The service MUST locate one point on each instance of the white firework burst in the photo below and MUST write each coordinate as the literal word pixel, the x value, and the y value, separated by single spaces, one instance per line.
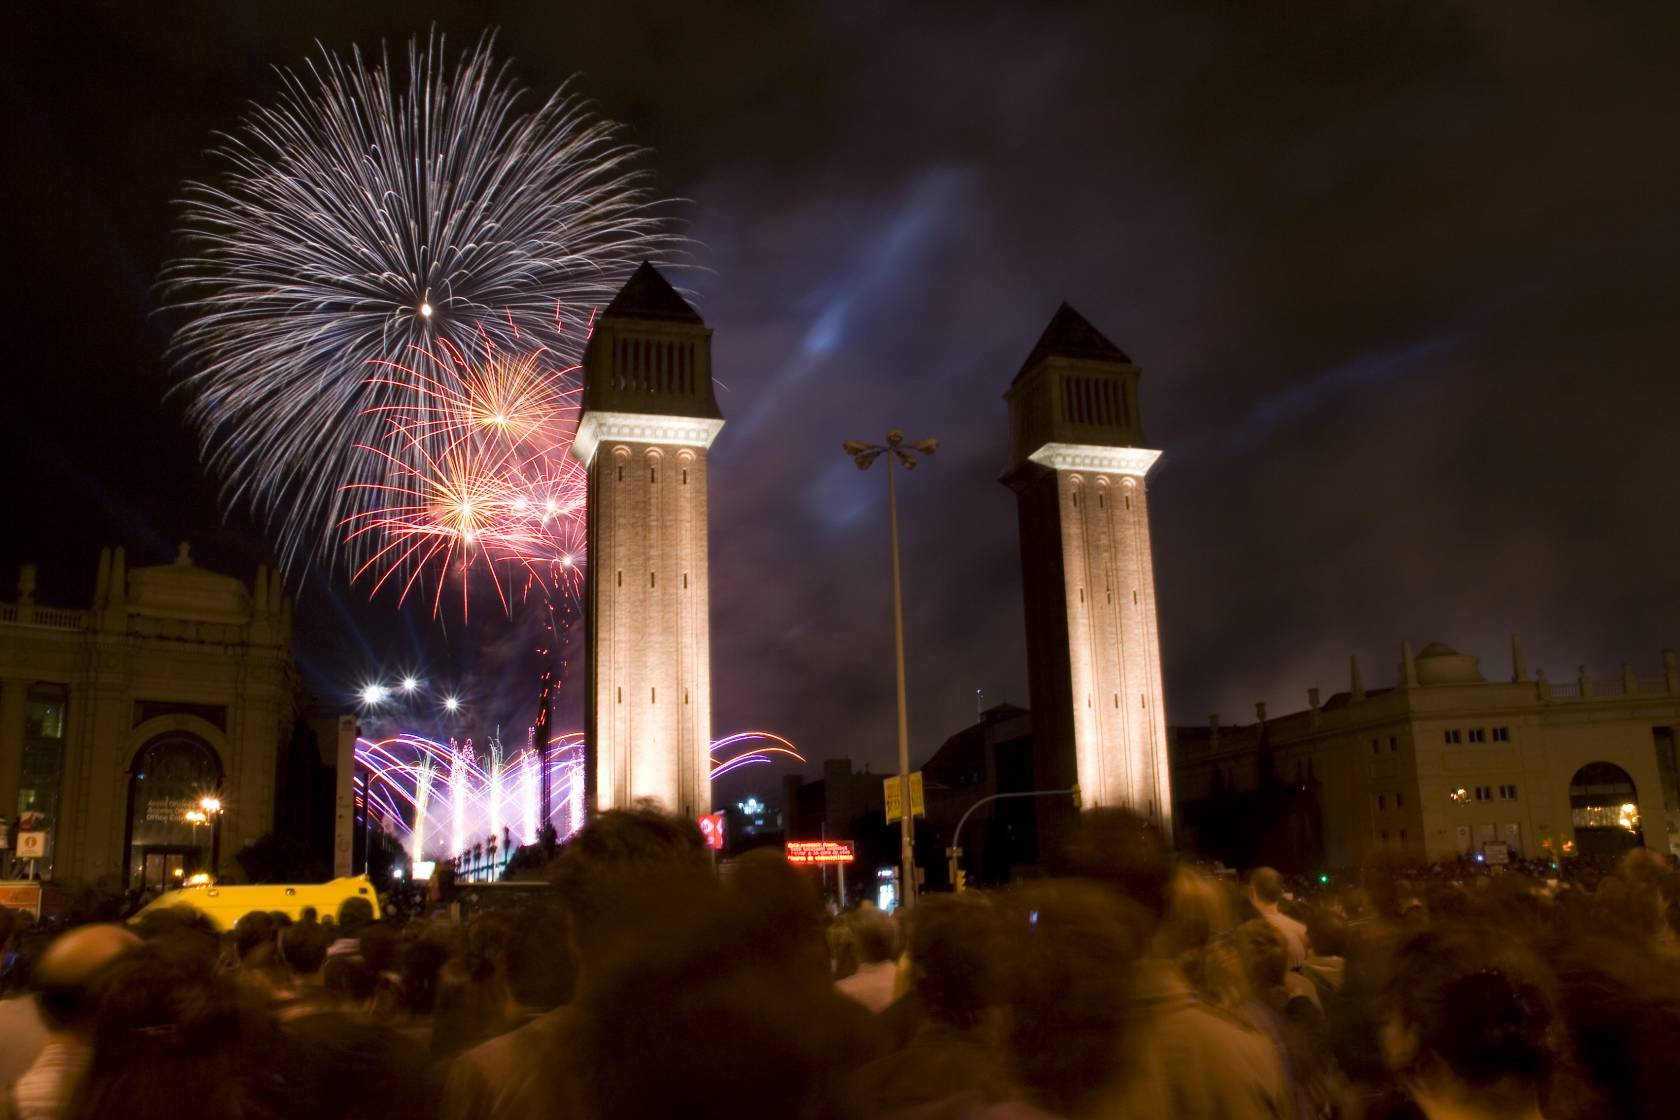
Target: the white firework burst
pixel 369 214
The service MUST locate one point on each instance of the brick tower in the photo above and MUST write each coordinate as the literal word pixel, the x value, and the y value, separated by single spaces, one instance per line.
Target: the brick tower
pixel 648 418
pixel 1078 466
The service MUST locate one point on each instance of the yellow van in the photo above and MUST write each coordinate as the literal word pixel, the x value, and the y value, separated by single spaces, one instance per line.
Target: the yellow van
pixel 225 905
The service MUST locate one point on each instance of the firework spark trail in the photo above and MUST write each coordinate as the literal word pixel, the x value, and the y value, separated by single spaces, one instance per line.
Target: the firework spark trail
pixel 409 775
pixel 371 210
pixel 494 487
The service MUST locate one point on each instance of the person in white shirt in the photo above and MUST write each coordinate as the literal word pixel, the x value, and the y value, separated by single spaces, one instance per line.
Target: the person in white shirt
pixel 876 940
pixel 1265 891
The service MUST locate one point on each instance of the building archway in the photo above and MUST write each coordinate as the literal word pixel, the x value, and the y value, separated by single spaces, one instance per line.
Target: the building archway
pixel 169 834
pixel 1604 808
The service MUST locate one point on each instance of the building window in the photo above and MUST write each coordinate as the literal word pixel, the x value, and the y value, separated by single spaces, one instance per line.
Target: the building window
pixel 1376 747
pixel 1507 793
pixel 1452 735
pixel 41 773
pixel 1502 734
pixel 1382 802
pixel 1385 836
pixel 621 474
pixel 1484 793
pixel 1393 743
pixel 1402 836
pixel 1478 734
pixel 685 476
pixel 653 474
pixel 1399 801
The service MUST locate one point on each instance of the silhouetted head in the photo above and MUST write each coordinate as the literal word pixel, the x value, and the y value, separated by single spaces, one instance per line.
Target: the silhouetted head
pixel 169 1030
pixel 1125 853
pixel 1267 886
pixel 1068 976
pixel 955 958
pixel 354 913
pixel 1469 1011
pixel 303 948
pixel 67 968
pixel 874 937
pixel 626 868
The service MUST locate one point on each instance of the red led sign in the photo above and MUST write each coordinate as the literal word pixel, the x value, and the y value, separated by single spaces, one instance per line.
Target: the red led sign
pixel 820 851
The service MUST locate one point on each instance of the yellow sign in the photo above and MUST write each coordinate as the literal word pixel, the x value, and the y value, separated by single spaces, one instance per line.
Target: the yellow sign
pixel 895 797
pixel 32 845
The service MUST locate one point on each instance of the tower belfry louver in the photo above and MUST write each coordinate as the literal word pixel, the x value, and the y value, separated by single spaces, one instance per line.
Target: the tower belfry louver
pixel 1078 465
pixel 649 416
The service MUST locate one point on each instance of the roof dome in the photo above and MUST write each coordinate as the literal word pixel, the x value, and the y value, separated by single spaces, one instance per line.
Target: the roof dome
pixel 1439 663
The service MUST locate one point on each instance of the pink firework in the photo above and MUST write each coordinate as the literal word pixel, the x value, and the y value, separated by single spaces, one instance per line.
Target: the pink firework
pixel 476 476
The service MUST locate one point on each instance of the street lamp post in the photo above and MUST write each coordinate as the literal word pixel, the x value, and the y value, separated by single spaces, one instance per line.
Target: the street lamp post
pixel 211 808
pixel 864 455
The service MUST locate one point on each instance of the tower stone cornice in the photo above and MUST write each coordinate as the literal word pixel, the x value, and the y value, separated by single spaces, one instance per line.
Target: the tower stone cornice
pixel 594 428
pixel 1135 462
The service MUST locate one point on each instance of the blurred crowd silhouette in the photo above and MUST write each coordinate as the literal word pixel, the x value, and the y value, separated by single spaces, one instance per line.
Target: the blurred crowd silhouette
pixel 1128 983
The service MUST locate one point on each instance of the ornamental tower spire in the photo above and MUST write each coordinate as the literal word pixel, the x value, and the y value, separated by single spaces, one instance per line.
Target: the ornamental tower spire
pixel 1078 465
pixel 649 418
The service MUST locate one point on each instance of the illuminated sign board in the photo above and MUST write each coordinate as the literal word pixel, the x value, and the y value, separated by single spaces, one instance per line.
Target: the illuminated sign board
pixel 820 851
pixel 712 830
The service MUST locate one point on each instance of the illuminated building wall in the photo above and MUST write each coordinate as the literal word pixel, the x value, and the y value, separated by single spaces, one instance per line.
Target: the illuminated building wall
pixel 649 416
pixel 116 720
pixel 1078 468
pixel 1443 762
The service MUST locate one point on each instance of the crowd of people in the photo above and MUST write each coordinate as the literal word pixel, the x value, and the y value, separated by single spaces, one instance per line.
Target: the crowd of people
pixel 1129 984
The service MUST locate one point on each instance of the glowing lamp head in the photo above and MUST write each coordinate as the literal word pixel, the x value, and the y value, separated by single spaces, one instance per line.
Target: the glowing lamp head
pixel 451 704
pixel 409 684
pixel 374 694
pixel 211 804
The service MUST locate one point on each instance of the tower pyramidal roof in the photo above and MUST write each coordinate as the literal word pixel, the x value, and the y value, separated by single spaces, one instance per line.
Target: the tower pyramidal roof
pixel 648 295
pixel 1071 335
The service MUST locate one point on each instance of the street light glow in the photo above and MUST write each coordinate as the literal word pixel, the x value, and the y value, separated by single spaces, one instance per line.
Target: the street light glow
pixel 211 804
pixel 373 694
pixel 409 684
pixel 451 704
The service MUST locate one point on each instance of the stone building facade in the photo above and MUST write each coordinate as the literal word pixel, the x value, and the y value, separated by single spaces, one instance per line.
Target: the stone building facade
pixel 118 720
pixel 649 417
pixel 1442 764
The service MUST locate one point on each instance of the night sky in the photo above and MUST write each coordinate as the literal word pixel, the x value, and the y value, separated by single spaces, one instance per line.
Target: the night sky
pixel 1401 279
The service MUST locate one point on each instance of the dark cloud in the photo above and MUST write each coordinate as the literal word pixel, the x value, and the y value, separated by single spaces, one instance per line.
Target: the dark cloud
pixel 1400 278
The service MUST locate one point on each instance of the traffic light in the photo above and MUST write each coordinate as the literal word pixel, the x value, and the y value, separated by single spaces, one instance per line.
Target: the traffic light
pixel 962 880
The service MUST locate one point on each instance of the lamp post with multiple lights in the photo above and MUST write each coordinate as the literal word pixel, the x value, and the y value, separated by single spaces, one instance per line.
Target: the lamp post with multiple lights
pixel 906 454
pixel 209 807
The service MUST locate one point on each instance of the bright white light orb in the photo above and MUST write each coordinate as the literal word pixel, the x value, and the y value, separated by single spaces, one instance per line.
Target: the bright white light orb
pixel 451 704
pixel 425 311
pixel 409 684
pixel 566 560
pixel 374 694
